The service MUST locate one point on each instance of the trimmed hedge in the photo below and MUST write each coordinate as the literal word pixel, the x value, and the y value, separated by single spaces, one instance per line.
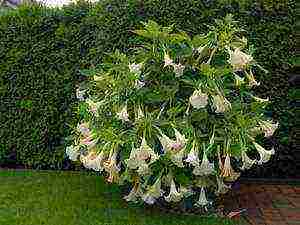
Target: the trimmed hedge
pixel 41 52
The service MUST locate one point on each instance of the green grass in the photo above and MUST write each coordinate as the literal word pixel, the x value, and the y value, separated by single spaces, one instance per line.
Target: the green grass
pixel 76 198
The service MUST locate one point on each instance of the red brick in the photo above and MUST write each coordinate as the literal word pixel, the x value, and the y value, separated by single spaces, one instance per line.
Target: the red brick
pixel 287 190
pixel 272 189
pixel 291 214
pixel 297 189
pixel 275 222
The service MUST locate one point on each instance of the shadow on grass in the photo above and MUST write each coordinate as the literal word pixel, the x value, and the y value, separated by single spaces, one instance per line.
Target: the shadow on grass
pixel 76 198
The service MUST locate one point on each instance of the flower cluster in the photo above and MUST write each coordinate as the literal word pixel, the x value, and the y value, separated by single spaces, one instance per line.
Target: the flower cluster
pixel 171 130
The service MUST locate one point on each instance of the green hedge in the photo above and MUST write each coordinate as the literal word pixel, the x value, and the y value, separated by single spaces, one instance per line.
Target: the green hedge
pixel 42 50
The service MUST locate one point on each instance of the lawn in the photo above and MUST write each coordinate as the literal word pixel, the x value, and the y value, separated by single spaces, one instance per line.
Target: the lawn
pixel 75 198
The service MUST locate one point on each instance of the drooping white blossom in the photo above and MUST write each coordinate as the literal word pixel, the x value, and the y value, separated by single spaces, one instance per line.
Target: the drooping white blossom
pixel 177 158
pixel 145 152
pixel 238 80
pixel 206 168
pixel 221 187
pixel 198 99
pixel 135 194
pixel 268 127
pixel 238 59
pixel 168 61
pixel 136 68
pixel 139 84
pixel 265 155
pixel 192 157
pixel 247 162
pixel 140 113
pixel 123 114
pixel 111 167
pixel 178 69
pixel 93 106
pixel 180 139
pixel 170 145
pixel 261 99
pixel 93 160
pixel 84 129
pixel 132 162
pixel 202 201
pixel 174 195
pixel 80 93
pixel 175 148
pixel 220 104
pixel 87 160
pixel 141 157
pixel 72 152
pixel 227 170
pixel 251 79
pixel 143 169
pixel 89 141
pixel 153 193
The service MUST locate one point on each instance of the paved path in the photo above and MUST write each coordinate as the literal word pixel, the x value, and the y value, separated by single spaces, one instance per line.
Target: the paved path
pixel 266 204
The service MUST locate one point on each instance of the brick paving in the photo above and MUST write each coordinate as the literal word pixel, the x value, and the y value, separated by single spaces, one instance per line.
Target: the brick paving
pixel 266 204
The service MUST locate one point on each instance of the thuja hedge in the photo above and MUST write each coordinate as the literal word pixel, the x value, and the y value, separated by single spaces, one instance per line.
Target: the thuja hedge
pixel 42 51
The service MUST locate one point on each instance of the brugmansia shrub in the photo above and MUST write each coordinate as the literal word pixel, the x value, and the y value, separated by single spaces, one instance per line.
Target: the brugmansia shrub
pixel 176 118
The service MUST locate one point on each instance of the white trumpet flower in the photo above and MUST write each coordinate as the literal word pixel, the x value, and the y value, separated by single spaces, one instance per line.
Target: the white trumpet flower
pixel 238 59
pixel 206 168
pixel 220 104
pixel 202 199
pixel 131 162
pixel 84 129
pixel 123 114
pixel 93 106
pixel 140 113
pixel 175 148
pixel 88 159
pixel 221 188
pixel 93 161
pixel 247 162
pixel 143 169
pixel 174 195
pixel 238 80
pixel 198 99
pixel 178 69
pixel 177 158
pixel 138 157
pixel 251 79
pixel 265 155
pixel 80 94
pixel 168 61
pixel 72 152
pixel 268 127
pixel 261 99
pixel 180 139
pixel 89 141
pixel 145 152
pixel 227 170
pixel 170 145
pixel 153 193
pixel 193 157
pixel 136 68
pixel 139 84
pixel 112 168
pixel 134 194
